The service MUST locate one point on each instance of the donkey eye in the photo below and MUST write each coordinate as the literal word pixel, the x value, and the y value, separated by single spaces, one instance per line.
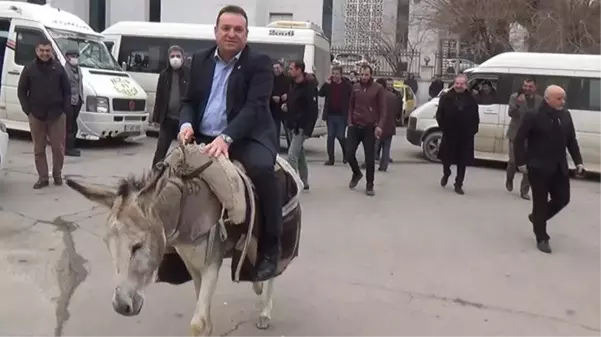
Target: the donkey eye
pixel 135 248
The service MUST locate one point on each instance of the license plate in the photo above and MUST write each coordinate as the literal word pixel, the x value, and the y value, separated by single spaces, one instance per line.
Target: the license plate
pixel 133 127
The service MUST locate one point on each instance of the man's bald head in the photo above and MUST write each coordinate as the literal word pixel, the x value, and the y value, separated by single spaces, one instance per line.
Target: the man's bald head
pixel 555 96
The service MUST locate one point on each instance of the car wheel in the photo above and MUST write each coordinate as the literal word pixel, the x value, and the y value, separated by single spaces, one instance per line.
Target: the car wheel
pixel 431 146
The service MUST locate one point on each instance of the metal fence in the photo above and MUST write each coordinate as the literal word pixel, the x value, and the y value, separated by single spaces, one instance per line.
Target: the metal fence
pixel 390 64
pixel 447 66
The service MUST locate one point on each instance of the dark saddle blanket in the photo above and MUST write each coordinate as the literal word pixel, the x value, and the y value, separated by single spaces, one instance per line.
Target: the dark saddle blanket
pixel 245 237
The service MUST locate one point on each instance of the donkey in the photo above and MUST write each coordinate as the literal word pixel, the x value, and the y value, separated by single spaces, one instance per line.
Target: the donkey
pixel 142 210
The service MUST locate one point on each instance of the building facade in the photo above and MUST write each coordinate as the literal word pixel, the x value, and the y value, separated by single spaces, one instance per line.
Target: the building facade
pixel 100 14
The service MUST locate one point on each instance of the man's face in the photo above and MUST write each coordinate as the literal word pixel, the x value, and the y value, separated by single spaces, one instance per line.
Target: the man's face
pixel 176 55
pixel 365 75
pixel 336 75
pixel 557 100
pixel 293 71
pixel 389 85
pixel 277 69
pixel 352 76
pixel 231 32
pixel 486 88
pixel 460 84
pixel 529 88
pixel 44 52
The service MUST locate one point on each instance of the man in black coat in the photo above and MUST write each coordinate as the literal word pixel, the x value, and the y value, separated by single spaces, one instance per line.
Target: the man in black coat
pixel 227 107
pixel 548 133
pixel 281 85
pixel 458 118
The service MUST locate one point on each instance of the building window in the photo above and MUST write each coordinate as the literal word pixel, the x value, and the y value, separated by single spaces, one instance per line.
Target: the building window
pixel 39 2
pixel 280 17
pixel 154 11
pixel 98 15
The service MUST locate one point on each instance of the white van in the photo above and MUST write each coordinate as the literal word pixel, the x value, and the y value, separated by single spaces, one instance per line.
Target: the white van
pixel 579 75
pixel 114 104
pixel 141 47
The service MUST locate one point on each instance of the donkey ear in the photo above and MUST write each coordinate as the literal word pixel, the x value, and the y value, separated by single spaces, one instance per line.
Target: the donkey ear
pixel 101 195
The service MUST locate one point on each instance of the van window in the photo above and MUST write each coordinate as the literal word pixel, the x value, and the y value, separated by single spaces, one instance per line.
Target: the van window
pixel 4 29
pixel 485 90
pixel 149 54
pixel 27 40
pixel 109 45
pixel 594 99
pixel 581 93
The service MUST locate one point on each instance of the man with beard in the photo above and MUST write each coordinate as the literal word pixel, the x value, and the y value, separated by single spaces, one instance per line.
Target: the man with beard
pixel 337 92
pixel 458 118
pixel 367 115
pixel 521 103
pixel 281 84
pixel 548 133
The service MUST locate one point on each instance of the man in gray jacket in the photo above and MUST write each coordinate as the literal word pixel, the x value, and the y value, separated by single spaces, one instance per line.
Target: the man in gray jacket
pixel 521 103
pixel 75 79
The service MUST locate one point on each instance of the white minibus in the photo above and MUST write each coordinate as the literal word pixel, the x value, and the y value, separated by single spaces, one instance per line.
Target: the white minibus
pixel 141 48
pixel 114 104
pixel 579 75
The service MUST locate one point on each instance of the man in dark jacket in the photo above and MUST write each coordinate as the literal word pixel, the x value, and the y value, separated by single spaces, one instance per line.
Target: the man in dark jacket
pixel 458 118
pixel 74 73
pixel 548 133
pixel 281 85
pixel 171 86
pixel 227 107
pixel 384 143
pixel 367 115
pixel 435 87
pixel 411 82
pixel 337 92
pixel 45 96
pixel 302 111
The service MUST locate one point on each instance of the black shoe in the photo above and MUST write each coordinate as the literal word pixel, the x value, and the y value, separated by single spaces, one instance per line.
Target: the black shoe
pixel 266 268
pixel 390 160
pixel 329 162
pixel 459 190
pixel 530 218
pixel 72 153
pixel 306 187
pixel 381 169
pixel 41 183
pixel 444 180
pixel 509 185
pixel 369 191
pixel 344 161
pixel 525 196
pixel 355 180
pixel 58 181
pixel 544 246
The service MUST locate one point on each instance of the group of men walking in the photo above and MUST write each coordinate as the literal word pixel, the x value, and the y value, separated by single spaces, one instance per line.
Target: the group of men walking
pixel 51 96
pixel 540 131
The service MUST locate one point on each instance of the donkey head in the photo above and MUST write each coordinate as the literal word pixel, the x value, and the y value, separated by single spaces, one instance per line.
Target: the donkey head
pixel 135 236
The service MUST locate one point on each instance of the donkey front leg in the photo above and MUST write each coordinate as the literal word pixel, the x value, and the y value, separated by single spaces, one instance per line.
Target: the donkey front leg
pixel 266 303
pixel 201 324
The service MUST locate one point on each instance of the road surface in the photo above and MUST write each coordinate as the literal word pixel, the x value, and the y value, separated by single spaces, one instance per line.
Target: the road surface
pixel 416 259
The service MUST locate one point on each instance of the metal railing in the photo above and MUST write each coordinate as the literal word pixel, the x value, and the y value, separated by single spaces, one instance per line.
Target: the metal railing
pixel 390 64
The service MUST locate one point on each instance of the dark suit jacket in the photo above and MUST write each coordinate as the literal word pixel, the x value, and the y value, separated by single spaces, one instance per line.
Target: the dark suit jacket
pixel 546 148
pixel 248 93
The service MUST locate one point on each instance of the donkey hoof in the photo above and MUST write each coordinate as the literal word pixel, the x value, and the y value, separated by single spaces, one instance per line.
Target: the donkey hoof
pixel 200 329
pixel 263 322
pixel 258 288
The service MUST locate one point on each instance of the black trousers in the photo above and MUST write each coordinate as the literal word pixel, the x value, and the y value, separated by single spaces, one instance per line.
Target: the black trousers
pixel 167 133
pixel 72 126
pixel 259 163
pixel 355 136
pixel 550 194
pixel 459 178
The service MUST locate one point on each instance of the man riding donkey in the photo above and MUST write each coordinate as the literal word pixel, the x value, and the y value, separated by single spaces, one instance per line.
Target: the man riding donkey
pixel 229 196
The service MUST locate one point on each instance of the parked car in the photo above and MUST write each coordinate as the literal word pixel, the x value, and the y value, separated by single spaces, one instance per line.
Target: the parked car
pixel 3 145
pixel 409 102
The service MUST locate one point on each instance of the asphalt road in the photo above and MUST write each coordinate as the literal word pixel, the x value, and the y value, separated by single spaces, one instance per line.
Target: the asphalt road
pixel 416 259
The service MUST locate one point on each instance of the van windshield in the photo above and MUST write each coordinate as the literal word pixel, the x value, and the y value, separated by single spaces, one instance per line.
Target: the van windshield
pixel 93 53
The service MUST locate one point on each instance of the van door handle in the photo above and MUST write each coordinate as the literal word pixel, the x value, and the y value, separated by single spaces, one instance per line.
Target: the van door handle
pixel 14 72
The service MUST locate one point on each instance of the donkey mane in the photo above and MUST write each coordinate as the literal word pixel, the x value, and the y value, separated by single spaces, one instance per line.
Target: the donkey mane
pixel 134 183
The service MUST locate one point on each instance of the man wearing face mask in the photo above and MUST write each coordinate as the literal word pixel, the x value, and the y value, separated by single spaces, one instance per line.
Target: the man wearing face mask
pixel 75 79
pixel 171 86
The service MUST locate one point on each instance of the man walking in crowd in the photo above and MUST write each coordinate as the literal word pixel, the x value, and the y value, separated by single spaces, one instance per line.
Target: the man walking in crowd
pixel 384 143
pixel 75 79
pixel 523 102
pixel 227 107
pixel 435 87
pixel 171 86
pixel 458 118
pixel 302 113
pixel 540 151
pixel 45 96
pixel 367 115
pixel 337 92
pixel 411 82
pixel 281 85
pixel 353 77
